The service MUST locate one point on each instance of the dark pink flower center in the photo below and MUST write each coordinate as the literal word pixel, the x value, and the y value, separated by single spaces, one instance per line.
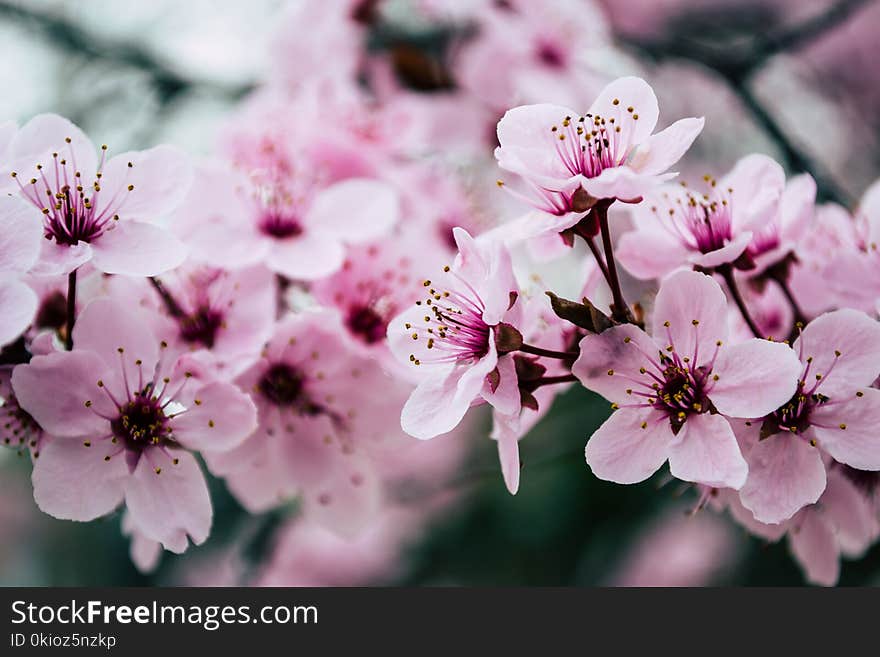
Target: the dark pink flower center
pixel 764 240
pixel 141 421
pixel 285 386
pixel 201 326
pixel 75 211
pixel 589 144
pixel 281 384
pixel 701 222
pixel 794 415
pixel 550 54
pixel 681 392
pixel 453 325
pixel 365 322
pixel 671 382
pixel 280 225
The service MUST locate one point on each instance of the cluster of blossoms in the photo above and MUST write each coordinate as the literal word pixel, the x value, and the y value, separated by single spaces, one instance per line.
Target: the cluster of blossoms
pixel 293 314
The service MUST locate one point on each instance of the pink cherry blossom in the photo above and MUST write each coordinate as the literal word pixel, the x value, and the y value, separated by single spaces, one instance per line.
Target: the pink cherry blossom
pixel 829 271
pixel 450 337
pixel 833 410
pixel 512 421
pixel 373 285
pixel 282 219
pixel 527 52
pixel 19 249
pixel 780 236
pixel 225 315
pixel 841 522
pixel 98 210
pixel 679 226
pixel 675 389
pixel 852 271
pixel 319 421
pixel 121 422
pixel 608 152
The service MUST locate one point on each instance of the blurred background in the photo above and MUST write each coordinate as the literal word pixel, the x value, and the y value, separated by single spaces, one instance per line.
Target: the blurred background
pixel 796 79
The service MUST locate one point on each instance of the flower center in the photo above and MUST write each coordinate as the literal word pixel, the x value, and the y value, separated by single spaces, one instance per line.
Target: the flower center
pixel 282 385
pixel 365 322
pixel 75 211
pixel 452 326
pixel 280 225
pixel 589 144
pixel 202 326
pixel 550 54
pixel 681 392
pixel 702 222
pixel 142 421
pixel 794 415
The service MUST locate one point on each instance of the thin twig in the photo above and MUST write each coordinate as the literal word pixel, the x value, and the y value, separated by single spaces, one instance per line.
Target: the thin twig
pixel 71 310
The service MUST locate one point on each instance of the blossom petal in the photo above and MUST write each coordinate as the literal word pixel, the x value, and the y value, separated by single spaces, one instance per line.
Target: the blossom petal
pixel 306 257
pixel 726 254
pixel 851 513
pixel 355 210
pixel 647 256
pixel 706 452
pixel 847 429
pixel 160 178
pixel 623 182
pixel 222 419
pixel 630 446
pixel 55 388
pixel 611 362
pixel 486 266
pixel 660 151
pixel 18 305
pixel 528 146
pixel 798 206
pixel 505 398
pixel 74 482
pixel 21 225
pixel 348 501
pixel 106 326
pixel 44 134
pixel 506 430
pixel 168 499
pixel 785 475
pixel 755 377
pixel 850 332
pixel 615 101
pixel 136 248
pixel 60 259
pixel 695 308
pixel 440 401
pixel 814 545
pixel 757 182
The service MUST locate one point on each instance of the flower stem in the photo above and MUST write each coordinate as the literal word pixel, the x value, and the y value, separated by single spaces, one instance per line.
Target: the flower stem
pixel 71 310
pixel 799 316
pixel 598 257
pixel 549 380
pixel 726 272
pixel 549 353
pixel 620 311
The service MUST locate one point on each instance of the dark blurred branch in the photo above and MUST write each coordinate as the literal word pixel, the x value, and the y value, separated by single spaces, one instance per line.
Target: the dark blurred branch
pixel 66 35
pixel 786 40
pixel 736 63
